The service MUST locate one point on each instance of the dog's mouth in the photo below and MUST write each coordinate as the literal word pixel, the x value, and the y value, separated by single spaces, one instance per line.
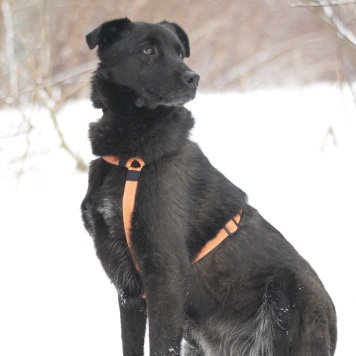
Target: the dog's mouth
pixel 172 99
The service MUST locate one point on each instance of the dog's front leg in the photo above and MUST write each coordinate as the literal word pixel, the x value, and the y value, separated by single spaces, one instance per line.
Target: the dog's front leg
pixel 165 314
pixel 133 325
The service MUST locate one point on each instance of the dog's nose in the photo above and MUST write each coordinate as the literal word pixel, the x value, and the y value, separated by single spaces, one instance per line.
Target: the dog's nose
pixel 191 78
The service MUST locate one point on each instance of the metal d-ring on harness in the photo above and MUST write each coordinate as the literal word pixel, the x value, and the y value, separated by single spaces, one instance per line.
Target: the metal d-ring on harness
pixel 128 206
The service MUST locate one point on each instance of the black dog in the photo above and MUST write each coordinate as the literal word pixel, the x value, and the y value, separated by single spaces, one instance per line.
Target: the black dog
pixel 251 295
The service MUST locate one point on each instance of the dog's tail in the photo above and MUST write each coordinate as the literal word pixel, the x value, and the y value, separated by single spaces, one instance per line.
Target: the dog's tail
pixel 268 332
pixel 289 321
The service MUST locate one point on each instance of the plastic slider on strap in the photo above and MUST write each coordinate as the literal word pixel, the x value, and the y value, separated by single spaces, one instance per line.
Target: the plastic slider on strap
pixel 133 175
pixel 230 225
pixel 228 230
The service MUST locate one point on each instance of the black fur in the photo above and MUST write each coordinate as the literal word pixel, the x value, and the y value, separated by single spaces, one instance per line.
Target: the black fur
pixel 254 294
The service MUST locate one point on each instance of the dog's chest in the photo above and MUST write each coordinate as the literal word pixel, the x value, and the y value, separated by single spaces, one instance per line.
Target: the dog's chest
pixel 159 207
pixel 102 211
pixel 102 215
pixel 111 211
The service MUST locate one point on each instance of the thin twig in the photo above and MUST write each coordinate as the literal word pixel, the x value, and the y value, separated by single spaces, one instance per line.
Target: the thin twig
pixel 24 159
pixel 82 166
pixel 321 4
pixel 334 27
pixel 53 114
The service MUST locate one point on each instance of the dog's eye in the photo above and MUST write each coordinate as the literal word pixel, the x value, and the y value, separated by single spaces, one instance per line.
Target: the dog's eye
pixel 181 54
pixel 149 51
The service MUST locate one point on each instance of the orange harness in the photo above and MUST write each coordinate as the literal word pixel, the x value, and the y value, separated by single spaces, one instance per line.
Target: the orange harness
pixel 128 205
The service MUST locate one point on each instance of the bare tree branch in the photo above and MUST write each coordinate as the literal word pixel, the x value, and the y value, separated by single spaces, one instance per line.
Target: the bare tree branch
pixel 331 19
pixel 321 4
pixel 48 103
pixel 24 159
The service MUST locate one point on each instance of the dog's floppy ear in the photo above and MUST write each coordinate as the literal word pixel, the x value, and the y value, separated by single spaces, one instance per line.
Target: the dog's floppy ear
pixel 183 37
pixel 106 33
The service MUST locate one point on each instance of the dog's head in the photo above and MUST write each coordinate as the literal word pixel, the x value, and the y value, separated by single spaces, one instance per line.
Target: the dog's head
pixel 146 58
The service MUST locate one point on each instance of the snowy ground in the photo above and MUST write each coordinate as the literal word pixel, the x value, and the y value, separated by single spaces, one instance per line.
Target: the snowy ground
pixel 56 300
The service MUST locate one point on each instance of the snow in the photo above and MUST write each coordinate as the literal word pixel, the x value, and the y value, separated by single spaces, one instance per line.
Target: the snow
pixel 56 299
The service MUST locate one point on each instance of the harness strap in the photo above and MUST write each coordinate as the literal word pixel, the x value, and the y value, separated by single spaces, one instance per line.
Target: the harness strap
pixel 129 198
pixel 128 206
pixel 229 229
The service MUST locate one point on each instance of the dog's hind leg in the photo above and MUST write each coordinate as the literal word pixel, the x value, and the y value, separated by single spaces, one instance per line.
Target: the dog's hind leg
pixel 133 325
pixel 318 335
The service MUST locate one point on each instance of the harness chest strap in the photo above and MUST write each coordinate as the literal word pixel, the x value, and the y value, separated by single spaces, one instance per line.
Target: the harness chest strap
pixel 129 197
pixel 128 206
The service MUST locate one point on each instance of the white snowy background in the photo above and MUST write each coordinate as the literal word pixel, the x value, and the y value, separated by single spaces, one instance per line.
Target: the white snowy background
pixel 55 298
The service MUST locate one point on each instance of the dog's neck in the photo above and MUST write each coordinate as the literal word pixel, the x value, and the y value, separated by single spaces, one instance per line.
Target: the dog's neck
pixel 128 130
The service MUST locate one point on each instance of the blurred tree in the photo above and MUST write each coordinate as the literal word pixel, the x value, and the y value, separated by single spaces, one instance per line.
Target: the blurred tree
pixel 235 44
pixel 341 17
pixel 38 66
